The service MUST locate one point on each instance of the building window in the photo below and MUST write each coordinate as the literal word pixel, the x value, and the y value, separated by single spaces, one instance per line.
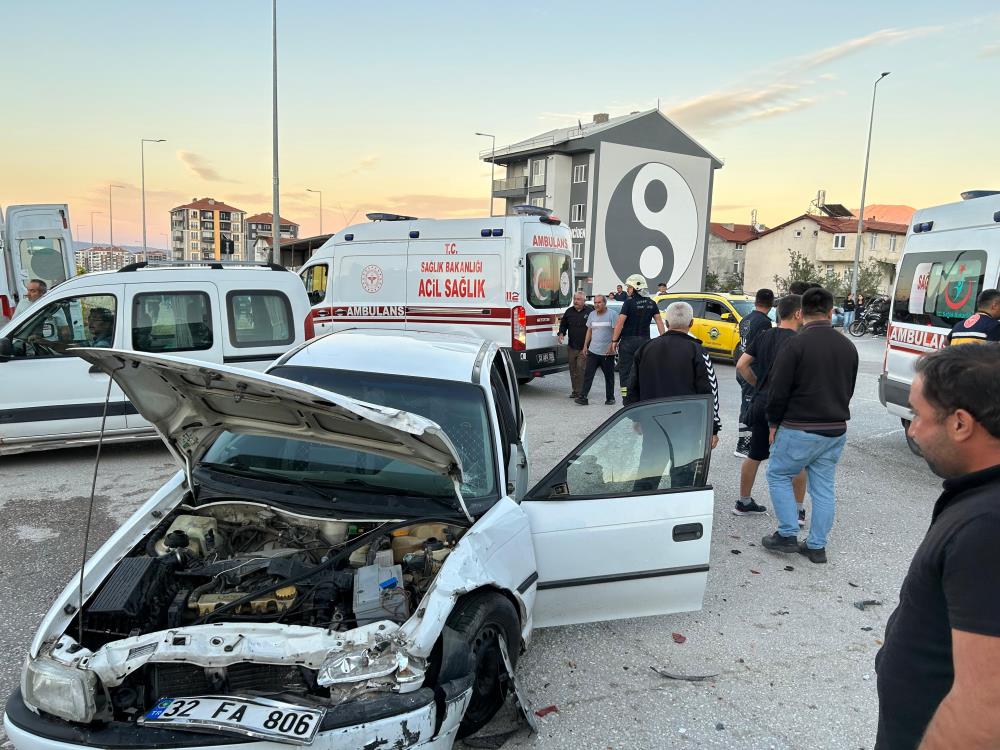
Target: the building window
pixel 577 251
pixel 873 241
pixel 829 268
pixel 580 173
pixel 741 246
pixel 537 172
pixel 839 241
pixel 798 232
pixel 736 266
pixel 892 243
pixel 577 211
pixel 538 202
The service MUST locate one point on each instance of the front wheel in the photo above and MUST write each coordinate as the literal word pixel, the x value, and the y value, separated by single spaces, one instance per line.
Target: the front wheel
pixel 858 328
pixel 481 618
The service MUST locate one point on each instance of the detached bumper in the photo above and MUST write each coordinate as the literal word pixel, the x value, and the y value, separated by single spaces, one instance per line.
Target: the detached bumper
pixel 391 721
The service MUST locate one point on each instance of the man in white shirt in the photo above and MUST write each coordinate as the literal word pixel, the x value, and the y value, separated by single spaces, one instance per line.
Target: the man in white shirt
pixel 35 289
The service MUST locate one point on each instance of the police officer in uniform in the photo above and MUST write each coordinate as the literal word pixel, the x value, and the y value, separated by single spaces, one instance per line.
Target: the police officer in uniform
pixel 632 328
pixel 983 326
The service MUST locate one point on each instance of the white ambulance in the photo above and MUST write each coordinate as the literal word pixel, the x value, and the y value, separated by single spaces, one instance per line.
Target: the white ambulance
pixel 952 253
pixel 504 278
pixel 35 243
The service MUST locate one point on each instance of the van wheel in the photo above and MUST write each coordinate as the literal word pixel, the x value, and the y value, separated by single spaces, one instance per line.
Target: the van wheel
pixel 909 441
pixel 525 381
pixel 480 619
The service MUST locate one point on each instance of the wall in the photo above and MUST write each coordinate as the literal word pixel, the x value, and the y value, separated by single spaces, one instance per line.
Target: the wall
pixel 767 255
pixel 721 254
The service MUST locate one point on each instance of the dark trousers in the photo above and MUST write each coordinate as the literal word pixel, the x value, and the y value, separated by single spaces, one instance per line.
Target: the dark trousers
pixel 607 364
pixel 577 367
pixel 627 347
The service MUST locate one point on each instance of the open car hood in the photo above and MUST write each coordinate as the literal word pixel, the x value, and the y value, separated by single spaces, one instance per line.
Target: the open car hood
pixel 191 404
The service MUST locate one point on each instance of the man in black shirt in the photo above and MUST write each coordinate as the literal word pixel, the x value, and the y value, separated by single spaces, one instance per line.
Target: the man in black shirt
pixel 632 328
pixel 755 366
pixel 574 322
pixel 939 670
pixel 810 387
pixel 751 327
pixel 619 295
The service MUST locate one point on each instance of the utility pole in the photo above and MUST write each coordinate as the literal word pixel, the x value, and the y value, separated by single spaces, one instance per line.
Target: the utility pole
pixel 310 190
pixel 92 227
pixel 493 163
pixel 864 184
pixel 142 169
pixel 275 208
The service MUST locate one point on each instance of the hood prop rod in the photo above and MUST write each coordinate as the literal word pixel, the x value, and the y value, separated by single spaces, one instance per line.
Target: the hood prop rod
pixel 90 508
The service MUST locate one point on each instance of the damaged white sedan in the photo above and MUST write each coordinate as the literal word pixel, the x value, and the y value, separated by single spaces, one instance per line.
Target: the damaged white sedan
pixel 350 557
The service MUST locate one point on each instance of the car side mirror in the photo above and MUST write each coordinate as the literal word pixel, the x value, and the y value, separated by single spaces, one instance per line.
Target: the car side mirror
pixel 726 316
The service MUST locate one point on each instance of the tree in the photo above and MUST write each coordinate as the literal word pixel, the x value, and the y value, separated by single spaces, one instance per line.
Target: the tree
pixel 800 268
pixel 711 281
pixel 731 282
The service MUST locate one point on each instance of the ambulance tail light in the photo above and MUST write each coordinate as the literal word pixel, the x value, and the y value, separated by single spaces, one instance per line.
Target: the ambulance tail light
pixel 519 330
pixel 310 327
pixel 6 309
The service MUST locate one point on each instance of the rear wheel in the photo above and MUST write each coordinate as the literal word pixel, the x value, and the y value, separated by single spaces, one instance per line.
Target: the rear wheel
pixel 858 328
pixel 525 381
pixel 481 618
pixel 909 441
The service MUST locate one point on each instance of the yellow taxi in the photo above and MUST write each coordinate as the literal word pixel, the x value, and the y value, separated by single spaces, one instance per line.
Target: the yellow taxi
pixel 716 317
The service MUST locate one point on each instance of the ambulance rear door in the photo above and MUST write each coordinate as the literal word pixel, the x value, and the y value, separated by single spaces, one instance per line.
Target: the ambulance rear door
pixel 547 275
pixel 455 280
pixel 37 245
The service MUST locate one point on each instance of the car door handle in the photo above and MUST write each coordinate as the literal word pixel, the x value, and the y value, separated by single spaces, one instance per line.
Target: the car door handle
pixel 688 532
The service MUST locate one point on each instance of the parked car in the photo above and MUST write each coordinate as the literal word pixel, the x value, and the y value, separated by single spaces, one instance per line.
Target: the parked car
pixel 332 569
pixel 213 313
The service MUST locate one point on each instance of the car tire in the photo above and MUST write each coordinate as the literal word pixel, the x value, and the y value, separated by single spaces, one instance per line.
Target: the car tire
pixel 909 441
pixel 525 381
pixel 480 618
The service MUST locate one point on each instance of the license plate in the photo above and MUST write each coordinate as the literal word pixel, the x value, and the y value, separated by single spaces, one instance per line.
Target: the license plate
pixel 257 717
pixel 546 358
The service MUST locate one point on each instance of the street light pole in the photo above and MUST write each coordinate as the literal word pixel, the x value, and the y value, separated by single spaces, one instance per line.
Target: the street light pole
pixel 493 164
pixel 142 167
pixel 111 216
pixel 310 190
pixel 92 227
pixel 864 184
pixel 275 208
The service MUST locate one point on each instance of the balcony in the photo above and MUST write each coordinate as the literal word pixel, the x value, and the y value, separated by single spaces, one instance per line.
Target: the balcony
pixel 510 186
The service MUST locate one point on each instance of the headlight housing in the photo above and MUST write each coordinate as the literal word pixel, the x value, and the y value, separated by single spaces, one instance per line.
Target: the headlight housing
pixel 60 690
pixel 383 664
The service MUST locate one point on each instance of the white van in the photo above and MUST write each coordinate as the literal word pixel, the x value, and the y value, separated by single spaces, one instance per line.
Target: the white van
pixel 505 278
pixel 214 313
pixel 952 253
pixel 35 243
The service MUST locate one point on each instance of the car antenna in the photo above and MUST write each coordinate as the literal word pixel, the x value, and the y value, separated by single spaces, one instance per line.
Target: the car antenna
pixel 90 509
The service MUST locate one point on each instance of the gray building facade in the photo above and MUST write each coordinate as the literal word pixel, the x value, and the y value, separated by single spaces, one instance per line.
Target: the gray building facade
pixel 635 191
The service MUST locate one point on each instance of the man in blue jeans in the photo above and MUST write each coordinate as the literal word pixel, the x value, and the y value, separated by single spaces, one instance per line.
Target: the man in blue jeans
pixel 811 384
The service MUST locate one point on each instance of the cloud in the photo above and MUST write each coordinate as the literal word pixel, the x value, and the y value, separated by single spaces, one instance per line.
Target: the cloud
pixel 990 50
pixel 827 76
pixel 736 106
pixel 432 206
pixel 363 165
pixel 200 166
pixel 858 44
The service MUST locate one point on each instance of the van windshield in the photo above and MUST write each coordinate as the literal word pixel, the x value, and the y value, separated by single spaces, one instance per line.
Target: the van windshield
pixel 939 288
pixel 550 280
pixel 43 259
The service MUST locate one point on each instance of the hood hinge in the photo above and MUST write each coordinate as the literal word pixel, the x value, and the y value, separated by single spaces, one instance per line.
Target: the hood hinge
pixel 457 482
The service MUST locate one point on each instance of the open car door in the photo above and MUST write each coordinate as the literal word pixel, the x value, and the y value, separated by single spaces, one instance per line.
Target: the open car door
pixel 622 526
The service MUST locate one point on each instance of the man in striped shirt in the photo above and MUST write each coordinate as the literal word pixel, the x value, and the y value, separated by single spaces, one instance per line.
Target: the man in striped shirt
pixel 983 325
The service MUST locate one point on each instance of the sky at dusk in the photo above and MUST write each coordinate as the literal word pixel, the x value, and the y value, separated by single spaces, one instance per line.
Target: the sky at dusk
pixel 379 103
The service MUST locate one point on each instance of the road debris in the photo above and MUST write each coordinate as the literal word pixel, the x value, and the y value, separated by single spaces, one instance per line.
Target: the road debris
pixel 865 603
pixel 678 638
pixel 789 567
pixel 685 677
pixel 546 711
pixel 736 552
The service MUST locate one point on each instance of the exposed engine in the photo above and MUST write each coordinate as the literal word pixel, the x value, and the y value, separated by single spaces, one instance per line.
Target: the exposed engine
pixel 233 562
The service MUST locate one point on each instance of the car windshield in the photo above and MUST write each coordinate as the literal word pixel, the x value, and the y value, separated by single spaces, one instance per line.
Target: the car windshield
pixel 460 409
pixel 743 306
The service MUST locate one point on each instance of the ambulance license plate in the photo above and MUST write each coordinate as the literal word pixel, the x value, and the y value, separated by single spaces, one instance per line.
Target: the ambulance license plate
pixel 257 717
pixel 546 358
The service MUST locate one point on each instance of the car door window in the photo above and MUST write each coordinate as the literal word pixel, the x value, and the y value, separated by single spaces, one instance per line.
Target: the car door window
pixel 171 322
pixel 259 318
pixel 714 310
pixel 648 447
pixel 73 321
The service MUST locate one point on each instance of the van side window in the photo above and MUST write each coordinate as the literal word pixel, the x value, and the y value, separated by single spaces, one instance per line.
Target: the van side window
pixel 549 280
pixel 171 322
pixel 74 321
pixel 259 317
pixel 315 279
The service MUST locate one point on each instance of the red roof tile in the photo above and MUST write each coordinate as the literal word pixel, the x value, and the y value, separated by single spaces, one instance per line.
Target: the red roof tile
pixel 266 218
pixel 842 226
pixel 739 233
pixel 208 204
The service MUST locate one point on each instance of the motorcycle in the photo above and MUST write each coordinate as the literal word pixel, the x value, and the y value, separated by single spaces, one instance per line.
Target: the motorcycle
pixel 874 320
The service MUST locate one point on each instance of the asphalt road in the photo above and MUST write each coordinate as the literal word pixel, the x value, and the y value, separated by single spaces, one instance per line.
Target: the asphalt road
pixel 793 657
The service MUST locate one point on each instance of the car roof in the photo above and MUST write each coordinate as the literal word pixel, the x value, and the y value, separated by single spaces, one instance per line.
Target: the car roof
pixel 168 274
pixel 700 295
pixel 390 351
